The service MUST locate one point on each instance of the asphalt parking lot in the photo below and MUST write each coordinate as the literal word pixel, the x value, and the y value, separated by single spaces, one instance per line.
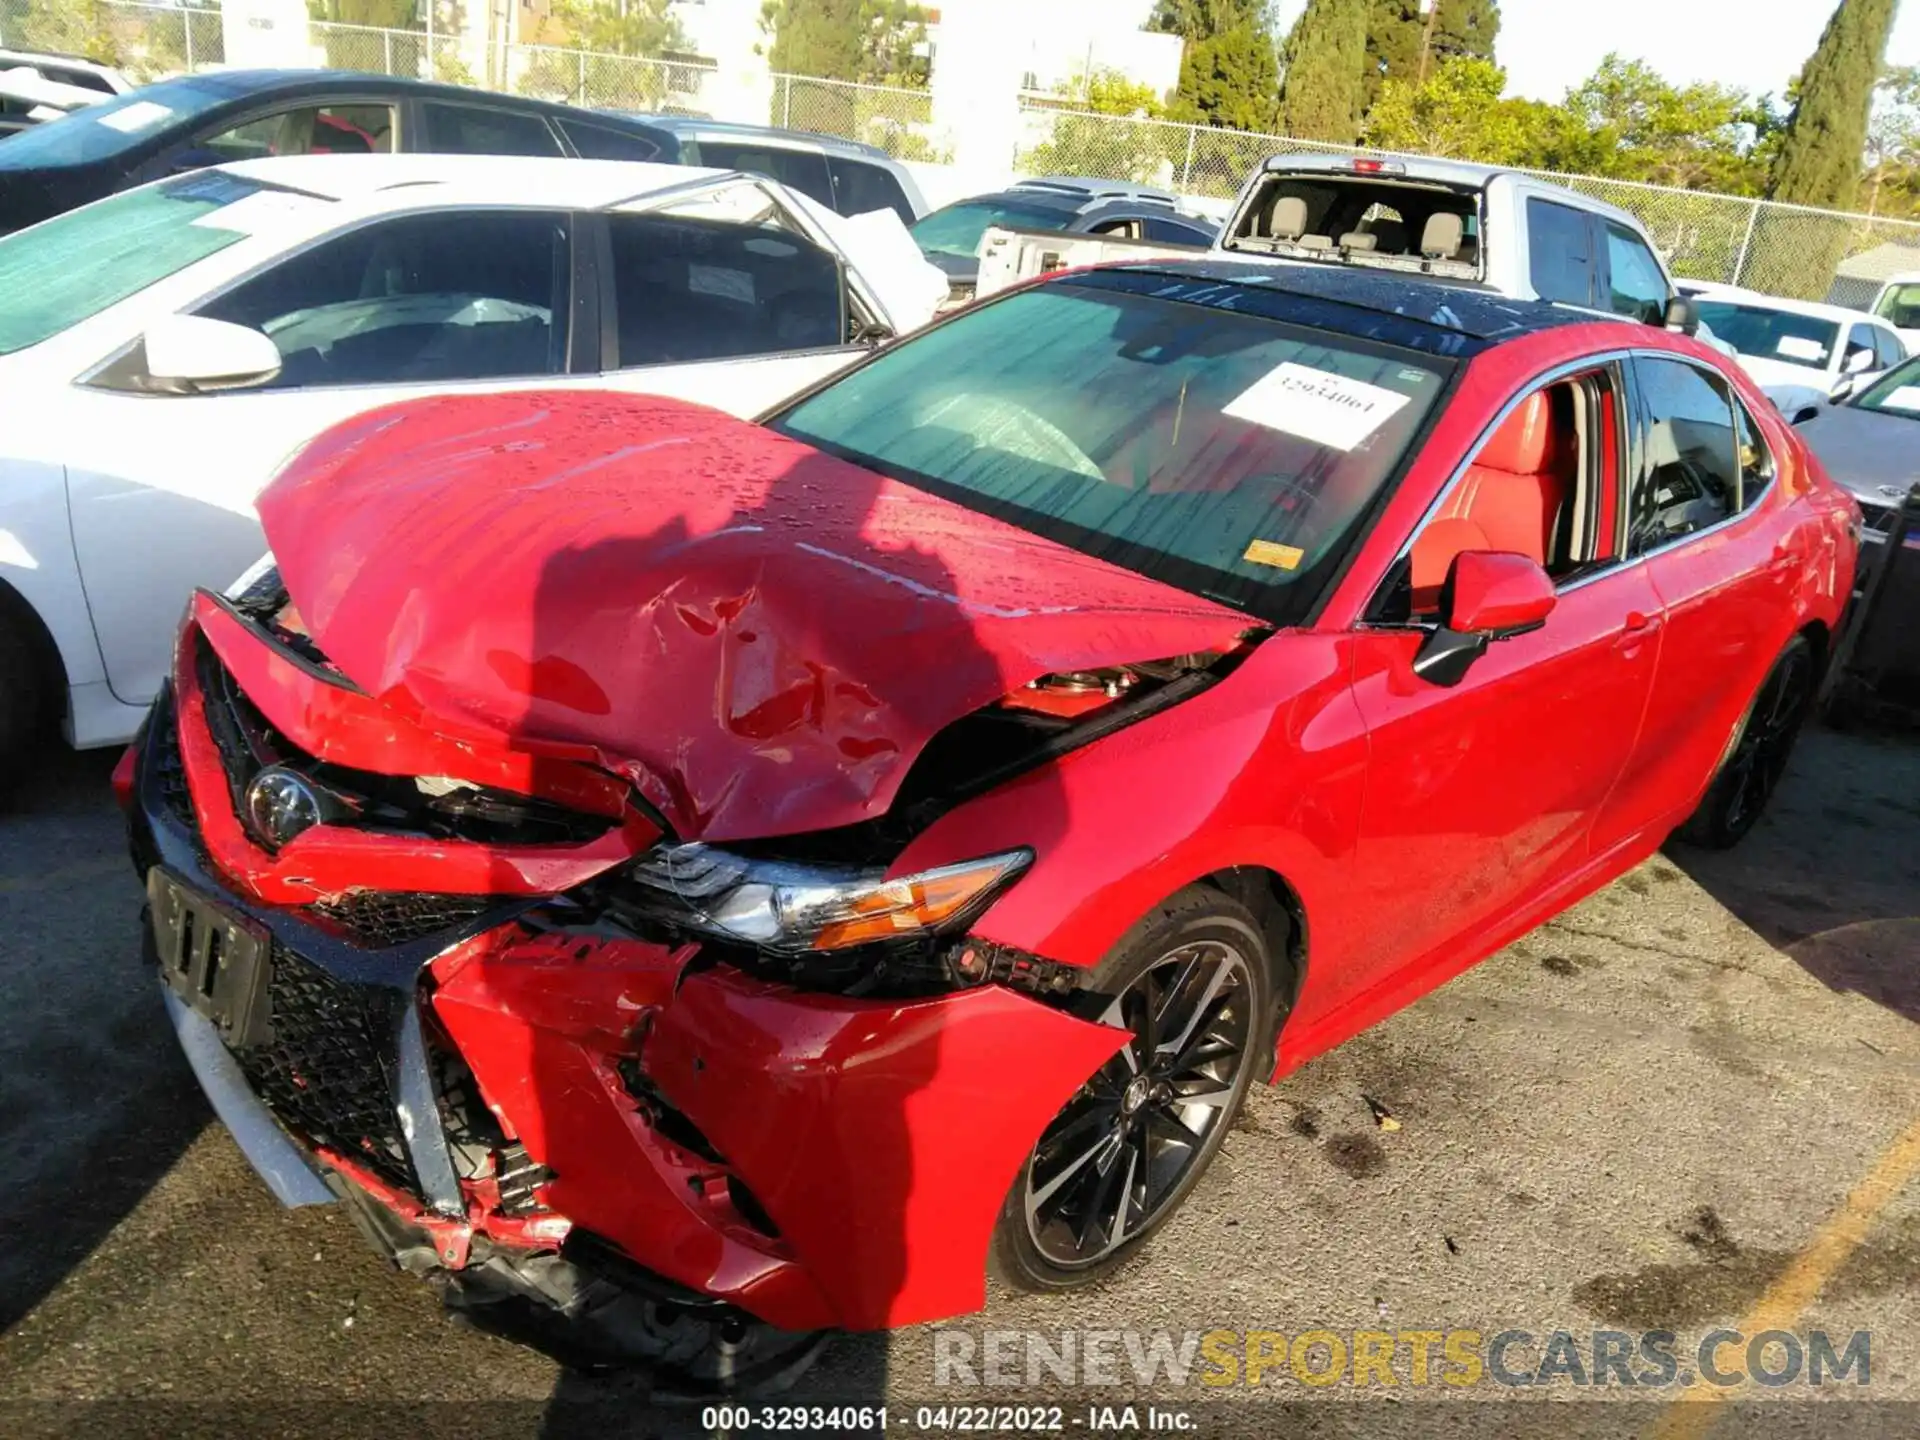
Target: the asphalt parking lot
pixel 1689 1103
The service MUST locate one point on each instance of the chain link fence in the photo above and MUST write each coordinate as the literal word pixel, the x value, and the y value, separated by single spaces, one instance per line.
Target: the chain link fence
pixel 147 42
pixel 1783 249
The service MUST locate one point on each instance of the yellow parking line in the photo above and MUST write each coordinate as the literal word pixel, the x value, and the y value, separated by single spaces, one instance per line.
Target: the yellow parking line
pixel 1800 1283
pixel 92 869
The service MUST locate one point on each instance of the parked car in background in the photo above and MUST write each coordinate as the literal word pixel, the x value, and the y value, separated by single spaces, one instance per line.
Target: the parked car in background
pixel 848 177
pixel 1898 303
pixel 1870 443
pixel 1446 220
pixel 215 117
pixel 951 236
pixel 1800 352
pixel 36 86
pixel 853 848
pixel 162 351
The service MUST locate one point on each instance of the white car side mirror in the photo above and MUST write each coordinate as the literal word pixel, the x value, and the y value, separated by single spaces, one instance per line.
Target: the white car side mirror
pixel 1859 362
pixel 190 353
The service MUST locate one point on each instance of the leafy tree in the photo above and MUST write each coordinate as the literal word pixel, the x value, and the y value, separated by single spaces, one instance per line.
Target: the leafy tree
pixel 1893 145
pixel 1399 36
pixel 1324 84
pixel 1231 80
pixel 1820 155
pixel 1633 124
pixel 1202 19
pixel 873 41
pixel 1229 72
pixel 382 14
pixel 1461 111
pixel 612 38
pixel 637 27
pixel 1083 145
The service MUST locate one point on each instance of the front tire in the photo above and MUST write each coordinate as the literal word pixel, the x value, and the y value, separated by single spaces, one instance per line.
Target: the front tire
pixel 1747 778
pixel 1194 983
pixel 26 699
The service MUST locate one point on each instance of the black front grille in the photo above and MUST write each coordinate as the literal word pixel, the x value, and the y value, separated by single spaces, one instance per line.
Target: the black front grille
pixel 169 770
pixel 328 1072
pixel 375 919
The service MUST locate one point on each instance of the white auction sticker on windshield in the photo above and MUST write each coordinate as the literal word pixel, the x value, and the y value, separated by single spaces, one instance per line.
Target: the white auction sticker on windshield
pixel 1798 347
pixel 141 115
pixel 1907 397
pixel 1316 405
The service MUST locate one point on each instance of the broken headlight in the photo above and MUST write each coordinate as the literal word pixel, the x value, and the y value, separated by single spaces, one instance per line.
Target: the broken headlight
pixel 794 908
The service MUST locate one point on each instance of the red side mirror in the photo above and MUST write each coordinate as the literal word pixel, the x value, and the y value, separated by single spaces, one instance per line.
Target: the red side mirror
pixel 1493 593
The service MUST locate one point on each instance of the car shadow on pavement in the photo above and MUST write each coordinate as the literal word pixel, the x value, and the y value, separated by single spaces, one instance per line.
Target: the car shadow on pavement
pixel 97 1103
pixel 1831 874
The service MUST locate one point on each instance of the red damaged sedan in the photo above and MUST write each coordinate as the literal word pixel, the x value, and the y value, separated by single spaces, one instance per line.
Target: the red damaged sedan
pixel 689 886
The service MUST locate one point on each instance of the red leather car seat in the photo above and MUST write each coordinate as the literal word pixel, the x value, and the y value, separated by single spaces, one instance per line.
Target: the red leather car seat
pixel 1510 498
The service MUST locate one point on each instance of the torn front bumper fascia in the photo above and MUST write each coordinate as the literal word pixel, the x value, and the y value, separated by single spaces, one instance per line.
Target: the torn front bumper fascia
pixel 879 1138
pixel 278 1161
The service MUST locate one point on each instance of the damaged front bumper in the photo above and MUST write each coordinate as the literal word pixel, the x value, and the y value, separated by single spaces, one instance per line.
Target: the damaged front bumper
pixel 539 1108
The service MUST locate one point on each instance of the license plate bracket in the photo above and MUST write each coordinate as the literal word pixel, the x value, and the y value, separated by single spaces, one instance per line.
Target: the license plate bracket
pixel 215 959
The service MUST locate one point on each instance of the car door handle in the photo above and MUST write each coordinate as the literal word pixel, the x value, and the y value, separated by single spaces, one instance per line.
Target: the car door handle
pixel 1639 622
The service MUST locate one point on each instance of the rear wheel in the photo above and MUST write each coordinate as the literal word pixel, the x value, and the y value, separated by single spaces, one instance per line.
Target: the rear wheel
pixel 1752 769
pixel 1194 987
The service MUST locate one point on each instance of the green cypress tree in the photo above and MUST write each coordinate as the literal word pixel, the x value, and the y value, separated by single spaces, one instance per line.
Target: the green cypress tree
pixel 1397 33
pixel 1324 85
pixel 1229 72
pixel 1826 140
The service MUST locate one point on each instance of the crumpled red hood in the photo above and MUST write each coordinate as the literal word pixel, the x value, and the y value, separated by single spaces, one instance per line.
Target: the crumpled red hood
pixel 770 633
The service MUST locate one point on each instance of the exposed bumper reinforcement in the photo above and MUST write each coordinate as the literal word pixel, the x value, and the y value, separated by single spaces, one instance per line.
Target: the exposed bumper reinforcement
pixel 288 1172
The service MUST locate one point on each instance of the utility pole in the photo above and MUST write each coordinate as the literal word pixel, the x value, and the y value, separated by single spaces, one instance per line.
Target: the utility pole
pixel 1430 9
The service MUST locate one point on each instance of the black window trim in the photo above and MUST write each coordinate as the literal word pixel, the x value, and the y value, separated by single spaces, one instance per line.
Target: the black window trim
pixel 569 218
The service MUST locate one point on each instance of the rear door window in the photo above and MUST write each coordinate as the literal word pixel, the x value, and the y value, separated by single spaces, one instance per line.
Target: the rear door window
pixel 689 290
pixel 1690 461
pixel 1636 286
pixel 859 188
pixel 482 130
pixel 1888 346
pixel 1560 252
pixel 1175 232
pixel 601 142
pixel 460 295
pixel 804 170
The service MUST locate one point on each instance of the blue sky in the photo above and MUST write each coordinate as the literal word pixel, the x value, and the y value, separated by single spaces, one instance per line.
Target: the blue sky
pixel 1549 45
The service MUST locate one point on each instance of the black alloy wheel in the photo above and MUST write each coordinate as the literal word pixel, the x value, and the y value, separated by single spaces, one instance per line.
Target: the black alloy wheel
pixel 1758 758
pixel 1130 1144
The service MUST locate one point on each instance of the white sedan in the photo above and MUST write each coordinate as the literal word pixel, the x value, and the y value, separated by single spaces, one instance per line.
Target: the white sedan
pixel 1798 351
pixel 164 350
